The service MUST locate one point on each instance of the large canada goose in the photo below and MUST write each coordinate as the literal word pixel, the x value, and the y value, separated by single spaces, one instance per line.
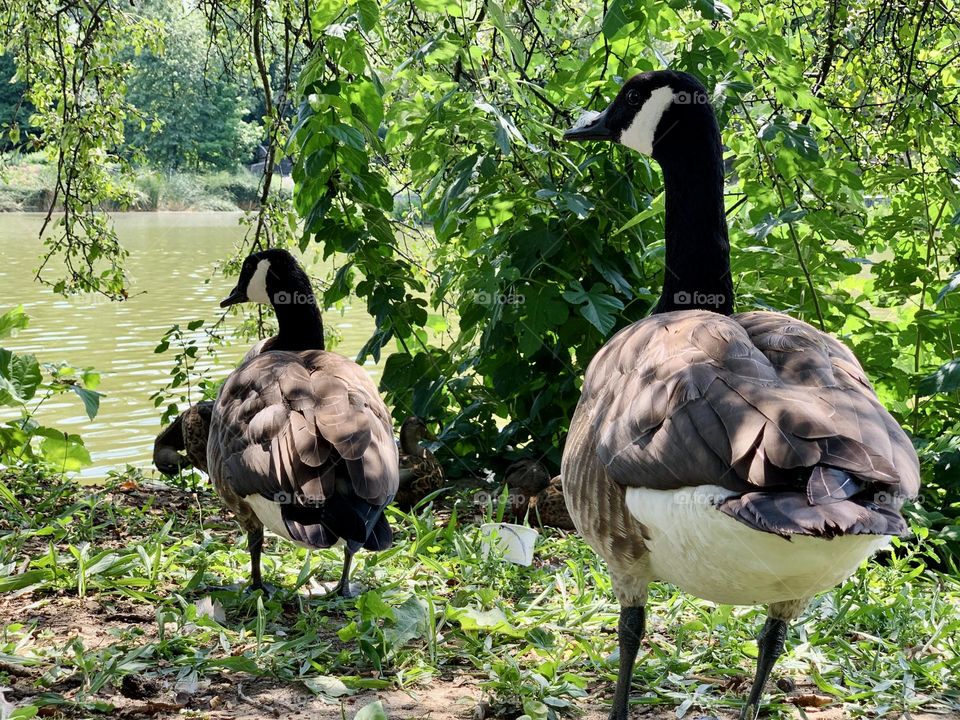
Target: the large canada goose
pixel 300 441
pixel 420 471
pixel 744 458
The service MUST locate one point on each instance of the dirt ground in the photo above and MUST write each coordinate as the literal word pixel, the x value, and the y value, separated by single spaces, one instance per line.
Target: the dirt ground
pixel 97 621
pixel 234 696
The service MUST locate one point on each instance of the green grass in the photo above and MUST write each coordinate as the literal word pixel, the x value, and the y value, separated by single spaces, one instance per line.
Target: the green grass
pixel 128 570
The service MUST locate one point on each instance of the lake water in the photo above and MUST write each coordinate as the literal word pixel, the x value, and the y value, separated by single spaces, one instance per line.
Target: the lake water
pixel 173 279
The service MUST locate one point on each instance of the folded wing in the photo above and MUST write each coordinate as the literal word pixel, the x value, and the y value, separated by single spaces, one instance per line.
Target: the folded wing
pixel 760 404
pixel 308 431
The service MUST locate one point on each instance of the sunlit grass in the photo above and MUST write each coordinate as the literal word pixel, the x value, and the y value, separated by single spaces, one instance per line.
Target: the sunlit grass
pixel 539 639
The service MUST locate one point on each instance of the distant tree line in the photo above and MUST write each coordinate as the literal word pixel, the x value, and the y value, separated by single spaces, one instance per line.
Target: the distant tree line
pixel 188 110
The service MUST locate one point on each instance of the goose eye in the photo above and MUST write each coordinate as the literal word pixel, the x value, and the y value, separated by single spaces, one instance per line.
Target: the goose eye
pixel 633 97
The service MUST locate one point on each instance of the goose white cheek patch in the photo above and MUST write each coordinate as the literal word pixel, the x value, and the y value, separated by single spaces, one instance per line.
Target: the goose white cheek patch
pixel 257 287
pixel 639 135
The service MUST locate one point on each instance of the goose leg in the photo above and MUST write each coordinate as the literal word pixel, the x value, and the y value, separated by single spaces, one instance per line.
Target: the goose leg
pixel 255 546
pixel 344 588
pixel 629 630
pixel 769 646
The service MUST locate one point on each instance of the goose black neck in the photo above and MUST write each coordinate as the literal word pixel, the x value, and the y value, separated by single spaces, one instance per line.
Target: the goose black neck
pixel 410 441
pixel 697 273
pixel 299 320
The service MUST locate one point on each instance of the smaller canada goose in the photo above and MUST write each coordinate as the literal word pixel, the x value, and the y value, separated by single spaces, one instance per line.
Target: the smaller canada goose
pixel 524 479
pixel 548 508
pixel 420 472
pixel 183 443
pixel 300 440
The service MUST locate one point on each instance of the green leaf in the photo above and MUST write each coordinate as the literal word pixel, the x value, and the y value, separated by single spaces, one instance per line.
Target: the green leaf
pixel 10 499
pixel 90 378
pixel 500 22
pixel 492 621
pixel 545 310
pixel 599 308
pixel 372 607
pixel 13 320
pixel 332 687
pixel 365 96
pixel 369 14
pixel 769 223
pixel 10 583
pixel 19 377
pixel 62 450
pixel 91 400
pixel 619 13
pixel 535 710
pixel 945 379
pixel 655 208
pixel 577 204
pixel 411 621
pixel 349 136
pixel 949 287
pixel 796 136
pixel 373 711
pixel 713 9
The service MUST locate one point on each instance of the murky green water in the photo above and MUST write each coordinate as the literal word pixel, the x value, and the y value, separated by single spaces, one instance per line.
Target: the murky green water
pixel 171 265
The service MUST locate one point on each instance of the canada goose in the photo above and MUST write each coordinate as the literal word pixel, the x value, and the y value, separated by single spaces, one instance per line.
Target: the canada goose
pixel 534 497
pixel 744 458
pixel 548 508
pixel 300 441
pixel 420 472
pixel 183 443
pixel 524 479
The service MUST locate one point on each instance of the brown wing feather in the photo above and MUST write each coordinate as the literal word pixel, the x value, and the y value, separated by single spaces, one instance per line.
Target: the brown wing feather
pixel 749 402
pixel 307 425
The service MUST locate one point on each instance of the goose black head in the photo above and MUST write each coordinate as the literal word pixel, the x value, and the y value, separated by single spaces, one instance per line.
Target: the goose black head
pixel 415 427
pixel 272 277
pixel 653 113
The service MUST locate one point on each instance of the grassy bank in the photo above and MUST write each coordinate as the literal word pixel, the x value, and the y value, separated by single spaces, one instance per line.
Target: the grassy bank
pixel 28 185
pixel 114 605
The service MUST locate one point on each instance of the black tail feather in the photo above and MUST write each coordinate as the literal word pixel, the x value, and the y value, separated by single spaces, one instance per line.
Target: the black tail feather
pixel 791 513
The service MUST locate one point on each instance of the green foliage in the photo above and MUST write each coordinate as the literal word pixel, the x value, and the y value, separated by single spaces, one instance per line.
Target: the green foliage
pixel 72 58
pixel 15 108
pixel 187 111
pixel 841 191
pixel 29 182
pixel 186 385
pixel 23 440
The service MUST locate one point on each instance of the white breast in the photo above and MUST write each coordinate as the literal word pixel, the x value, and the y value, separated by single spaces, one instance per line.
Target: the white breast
pixel 709 554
